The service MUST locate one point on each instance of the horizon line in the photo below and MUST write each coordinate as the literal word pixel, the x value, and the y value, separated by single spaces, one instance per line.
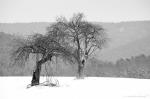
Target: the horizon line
pixel 88 21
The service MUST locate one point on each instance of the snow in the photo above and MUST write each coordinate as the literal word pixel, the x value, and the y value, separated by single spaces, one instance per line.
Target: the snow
pixel 71 88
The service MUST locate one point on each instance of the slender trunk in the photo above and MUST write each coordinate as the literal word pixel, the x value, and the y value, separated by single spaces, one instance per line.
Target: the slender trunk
pixel 81 69
pixel 80 65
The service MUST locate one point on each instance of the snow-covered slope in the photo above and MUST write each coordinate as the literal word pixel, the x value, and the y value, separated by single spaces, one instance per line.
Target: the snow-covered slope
pixel 70 88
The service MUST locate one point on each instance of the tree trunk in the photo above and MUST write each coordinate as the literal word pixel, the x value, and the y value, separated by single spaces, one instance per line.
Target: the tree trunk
pixel 81 69
pixel 36 74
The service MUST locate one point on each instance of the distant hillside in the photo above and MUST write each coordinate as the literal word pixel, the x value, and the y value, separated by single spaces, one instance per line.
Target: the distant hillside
pixel 23 28
pixel 126 38
pixel 134 67
pixel 134 48
pixel 5 51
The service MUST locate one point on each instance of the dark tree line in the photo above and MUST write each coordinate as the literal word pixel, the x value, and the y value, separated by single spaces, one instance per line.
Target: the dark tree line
pixel 134 67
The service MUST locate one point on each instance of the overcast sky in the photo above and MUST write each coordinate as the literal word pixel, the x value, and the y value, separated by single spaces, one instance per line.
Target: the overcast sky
pixel 94 10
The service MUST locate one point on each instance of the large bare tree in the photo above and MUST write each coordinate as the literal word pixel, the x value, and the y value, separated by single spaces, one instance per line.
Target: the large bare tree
pixel 84 37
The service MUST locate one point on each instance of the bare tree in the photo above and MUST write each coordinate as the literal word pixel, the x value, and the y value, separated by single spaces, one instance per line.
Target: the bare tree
pixel 40 45
pixel 84 37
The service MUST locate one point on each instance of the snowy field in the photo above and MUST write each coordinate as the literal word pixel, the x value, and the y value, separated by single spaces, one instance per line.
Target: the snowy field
pixel 71 88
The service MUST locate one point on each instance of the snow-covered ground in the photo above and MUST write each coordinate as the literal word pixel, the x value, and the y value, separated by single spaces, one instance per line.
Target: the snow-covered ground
pixel 71 88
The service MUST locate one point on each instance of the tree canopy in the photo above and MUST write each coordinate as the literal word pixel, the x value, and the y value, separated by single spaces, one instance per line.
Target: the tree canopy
pixel 82 36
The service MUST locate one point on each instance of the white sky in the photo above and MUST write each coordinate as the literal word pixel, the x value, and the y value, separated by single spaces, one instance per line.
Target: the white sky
pixel 94 10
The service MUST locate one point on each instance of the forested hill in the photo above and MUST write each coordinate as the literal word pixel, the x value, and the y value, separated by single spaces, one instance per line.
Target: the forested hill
pixel 126 38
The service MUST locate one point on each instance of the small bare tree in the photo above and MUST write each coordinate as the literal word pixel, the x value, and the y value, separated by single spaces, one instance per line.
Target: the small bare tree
pixel 84 37
pixel 44 45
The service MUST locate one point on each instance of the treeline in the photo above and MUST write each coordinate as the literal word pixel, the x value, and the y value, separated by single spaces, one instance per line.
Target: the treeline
pixel 134 67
